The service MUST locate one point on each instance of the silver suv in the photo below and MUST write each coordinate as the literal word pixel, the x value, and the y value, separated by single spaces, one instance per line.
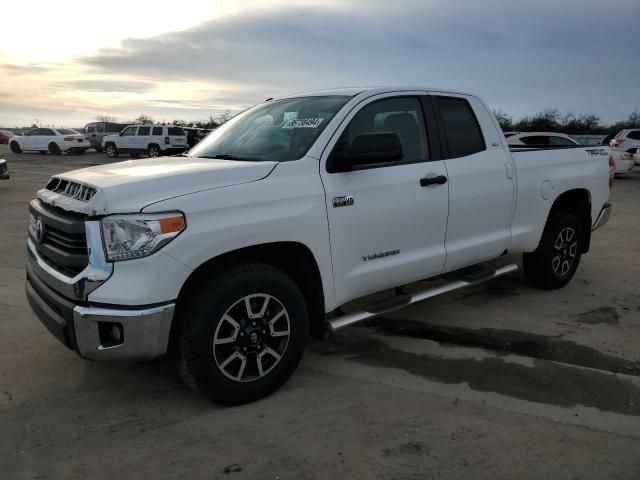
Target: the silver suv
pixel 95 132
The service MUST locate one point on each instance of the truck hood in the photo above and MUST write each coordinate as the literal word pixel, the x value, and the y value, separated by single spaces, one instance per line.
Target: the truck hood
pixel 130 186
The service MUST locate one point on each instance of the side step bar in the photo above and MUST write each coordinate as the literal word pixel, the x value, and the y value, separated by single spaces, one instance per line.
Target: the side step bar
pixel 351 318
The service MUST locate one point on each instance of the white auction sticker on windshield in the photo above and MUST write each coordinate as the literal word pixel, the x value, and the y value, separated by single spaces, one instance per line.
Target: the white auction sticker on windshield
pixel 303 123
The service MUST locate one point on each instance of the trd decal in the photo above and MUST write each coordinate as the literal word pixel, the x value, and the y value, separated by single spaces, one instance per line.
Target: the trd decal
pixel 373 256
pixel 343 201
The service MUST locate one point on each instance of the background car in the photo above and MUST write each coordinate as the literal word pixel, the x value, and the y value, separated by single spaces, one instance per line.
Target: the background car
pixel 636 157
pixel 623 148
pixel 4 170
pixel 5 136
pixel 542 139
pixel 52 140
pixel 153 140
pixel 95 132
pixel 195 135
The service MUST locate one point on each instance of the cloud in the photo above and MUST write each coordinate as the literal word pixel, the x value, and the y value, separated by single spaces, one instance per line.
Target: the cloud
pixel 109 86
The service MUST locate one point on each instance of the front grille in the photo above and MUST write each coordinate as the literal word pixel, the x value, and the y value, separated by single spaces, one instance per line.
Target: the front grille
pixel 75 190
pixel 63 241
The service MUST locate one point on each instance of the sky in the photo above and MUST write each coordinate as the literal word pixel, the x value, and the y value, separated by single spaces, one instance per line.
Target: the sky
pixel 65 62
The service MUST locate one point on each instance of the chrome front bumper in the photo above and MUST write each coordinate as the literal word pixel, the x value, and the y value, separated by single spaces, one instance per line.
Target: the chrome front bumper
pixel 145 332
pixel 603 218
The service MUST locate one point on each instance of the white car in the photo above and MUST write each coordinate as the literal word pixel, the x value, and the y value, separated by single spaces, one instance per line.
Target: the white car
pixel 153 140
pixel 228 256
pixel 623 148
pixel 541 139
pixel 52 140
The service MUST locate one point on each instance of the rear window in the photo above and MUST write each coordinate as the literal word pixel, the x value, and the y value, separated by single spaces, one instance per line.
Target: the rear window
pixel 635 135
pixel 143 130
pixel 462 130
pixel 157 130
pixel 66 131
pixel 176 131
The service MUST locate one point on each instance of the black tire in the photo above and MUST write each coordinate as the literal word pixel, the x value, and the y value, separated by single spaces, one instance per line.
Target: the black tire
pixel 555 261
pixel 111 150
pixel 54 148
pixel 201 364
pixel 154 151
pixel 15 147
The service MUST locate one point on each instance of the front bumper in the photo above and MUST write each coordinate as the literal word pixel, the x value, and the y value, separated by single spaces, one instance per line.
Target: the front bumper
pixel 87 329
pixel 603 218
pixel 61 303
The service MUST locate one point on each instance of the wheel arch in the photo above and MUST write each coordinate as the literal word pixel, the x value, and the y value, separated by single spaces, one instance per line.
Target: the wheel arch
pixel 293 258
pixel 576 200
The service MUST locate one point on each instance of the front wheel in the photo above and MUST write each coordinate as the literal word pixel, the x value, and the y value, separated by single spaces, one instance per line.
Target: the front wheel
pixel 555 261
pixel 242 333
pixel 15 147
pixel 111 150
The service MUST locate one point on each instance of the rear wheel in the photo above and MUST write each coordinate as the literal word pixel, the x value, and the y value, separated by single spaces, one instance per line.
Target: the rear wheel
pixel 15 147
pixel 154 151
pixel 54 148
pixel 555 261
pixel 111 150
pixel 241 334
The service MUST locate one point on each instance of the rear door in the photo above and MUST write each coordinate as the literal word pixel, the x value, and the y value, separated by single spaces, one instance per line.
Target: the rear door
pixel 177 137
pixel 47 136
pixel 386 228
pixel 481 183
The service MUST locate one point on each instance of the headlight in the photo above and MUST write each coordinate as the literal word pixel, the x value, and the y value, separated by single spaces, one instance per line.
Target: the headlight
pixel 134 236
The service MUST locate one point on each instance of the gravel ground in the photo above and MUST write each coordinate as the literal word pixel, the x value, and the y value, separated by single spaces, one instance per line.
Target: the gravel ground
pixel 500 381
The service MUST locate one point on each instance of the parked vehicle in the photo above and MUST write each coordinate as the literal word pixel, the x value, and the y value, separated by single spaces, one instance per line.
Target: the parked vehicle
pixel 95 132
pixel 636 157
pixel 542 139
pixel 607 140
pixel 226 257
pixel 154 140
pixel 623 147
pixel 195 135
pixel 4 170
pixel 52 140
pixel 5 136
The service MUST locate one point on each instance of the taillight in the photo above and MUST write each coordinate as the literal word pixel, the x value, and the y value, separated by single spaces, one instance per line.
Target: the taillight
pixel 618 141
pixel 69 139
pixel 166 140
pixel 612 170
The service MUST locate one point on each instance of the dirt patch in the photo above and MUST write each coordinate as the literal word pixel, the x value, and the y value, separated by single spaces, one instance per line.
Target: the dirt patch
pixel 607 315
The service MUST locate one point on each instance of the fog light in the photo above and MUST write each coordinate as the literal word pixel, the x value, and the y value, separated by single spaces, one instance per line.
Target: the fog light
pixel 111 334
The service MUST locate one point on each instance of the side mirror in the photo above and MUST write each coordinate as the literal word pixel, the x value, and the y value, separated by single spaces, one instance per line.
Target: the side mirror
pixel 365 150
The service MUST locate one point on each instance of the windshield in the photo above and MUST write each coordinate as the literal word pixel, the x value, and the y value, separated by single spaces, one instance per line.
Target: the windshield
pixel 279 131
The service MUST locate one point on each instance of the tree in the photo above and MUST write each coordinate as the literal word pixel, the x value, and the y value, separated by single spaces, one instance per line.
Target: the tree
pixel 505 121
pixel 143 119
pixel 106 118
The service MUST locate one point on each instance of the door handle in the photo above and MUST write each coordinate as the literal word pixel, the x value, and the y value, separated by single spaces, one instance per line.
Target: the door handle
pixel 437 180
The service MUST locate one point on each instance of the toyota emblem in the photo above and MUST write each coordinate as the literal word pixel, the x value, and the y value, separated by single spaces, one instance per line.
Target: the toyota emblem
pixel 39 230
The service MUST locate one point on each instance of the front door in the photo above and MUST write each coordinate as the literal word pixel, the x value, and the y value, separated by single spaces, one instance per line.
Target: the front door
pixel 386 228
pixel 127 139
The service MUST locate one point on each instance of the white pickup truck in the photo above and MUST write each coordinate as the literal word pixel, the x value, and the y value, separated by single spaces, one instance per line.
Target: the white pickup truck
pixel 227 256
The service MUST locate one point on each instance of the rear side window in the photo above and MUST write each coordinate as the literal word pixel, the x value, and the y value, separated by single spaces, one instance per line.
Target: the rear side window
pixel 535 140
pixel 91 129
pixel 635 135
pixel 461 127
pixel 143 131
pixel 561 141
pixel 49 132
pixel 176 131
pixel 157 130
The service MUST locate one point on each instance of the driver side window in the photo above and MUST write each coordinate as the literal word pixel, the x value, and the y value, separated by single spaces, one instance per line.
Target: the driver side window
pixel 402 116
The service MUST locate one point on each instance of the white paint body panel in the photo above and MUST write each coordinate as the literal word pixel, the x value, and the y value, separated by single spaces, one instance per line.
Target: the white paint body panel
pixel 492 201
